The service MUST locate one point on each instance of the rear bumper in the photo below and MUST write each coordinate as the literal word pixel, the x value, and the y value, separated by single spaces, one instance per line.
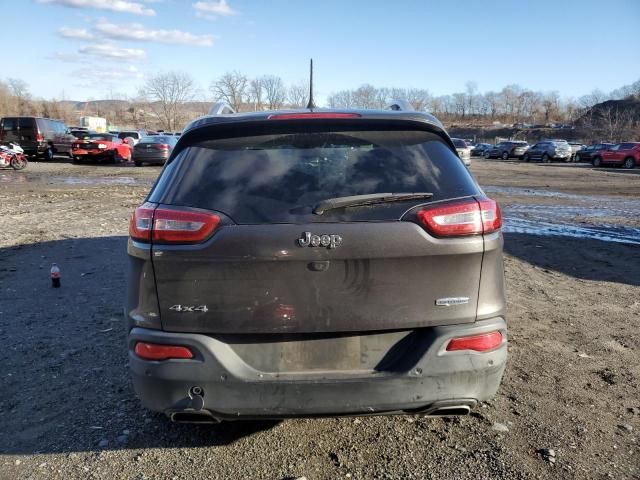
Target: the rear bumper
pixel 233 389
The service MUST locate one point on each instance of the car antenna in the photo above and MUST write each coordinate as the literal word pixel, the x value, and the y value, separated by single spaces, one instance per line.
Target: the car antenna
pixel 311 105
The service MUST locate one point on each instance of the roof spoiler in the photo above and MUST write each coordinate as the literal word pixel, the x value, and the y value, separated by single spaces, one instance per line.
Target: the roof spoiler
pixel 221 108
pixel 400 105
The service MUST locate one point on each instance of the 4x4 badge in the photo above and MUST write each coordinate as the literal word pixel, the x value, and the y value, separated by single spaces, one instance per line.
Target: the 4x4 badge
pixel 329 241
pixel 189 308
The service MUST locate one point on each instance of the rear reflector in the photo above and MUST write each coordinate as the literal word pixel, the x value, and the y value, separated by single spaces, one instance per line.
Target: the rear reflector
pixel 477 343
pixel 470 217
pixel 156 351
pixel 182 226
pixel 291 116
pixel 171 225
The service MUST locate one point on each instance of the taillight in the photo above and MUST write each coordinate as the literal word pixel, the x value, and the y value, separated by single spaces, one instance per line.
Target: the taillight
pixel 182 226
pixel 169 225
pixel 291 116
pixel 471 217
pixel 140 223
pixel 156 351
pixel 163 146
pixel 478 343
pixel 39 137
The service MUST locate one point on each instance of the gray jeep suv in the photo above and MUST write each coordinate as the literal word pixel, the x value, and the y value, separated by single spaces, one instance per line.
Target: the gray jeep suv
pixel 309 263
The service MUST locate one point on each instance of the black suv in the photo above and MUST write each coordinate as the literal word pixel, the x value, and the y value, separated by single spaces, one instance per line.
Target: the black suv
pixel 37 136
pixel 309 263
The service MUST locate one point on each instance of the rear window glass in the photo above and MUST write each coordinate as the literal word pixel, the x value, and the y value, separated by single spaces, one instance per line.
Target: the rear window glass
pixel 25 123
pixel 101 136
pixel 123 135
pixel 280 178
pixel 157 139
pixel 9 124
pixel 459 143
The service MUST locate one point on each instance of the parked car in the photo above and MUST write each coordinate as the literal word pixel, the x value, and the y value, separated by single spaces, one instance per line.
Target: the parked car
pixel 135 134
pixel 480 148
pixel 153 149
pixel 101 147
pixel 588 152
pixel 464 152
pixel 37 136
pixel 575 148
pixel 626 155
pixel 549 150
pixel 507 150
pixel 271 275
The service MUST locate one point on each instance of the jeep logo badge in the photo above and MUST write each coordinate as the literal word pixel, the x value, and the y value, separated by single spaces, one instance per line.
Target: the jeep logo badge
pixel 328 241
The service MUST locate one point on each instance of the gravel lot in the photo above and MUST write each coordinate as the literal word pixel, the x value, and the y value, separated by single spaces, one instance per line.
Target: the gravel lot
pixel 569 406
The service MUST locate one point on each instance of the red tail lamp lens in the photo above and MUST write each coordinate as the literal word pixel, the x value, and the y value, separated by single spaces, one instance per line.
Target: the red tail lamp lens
pixel 156 351
pixel 477 343
pixel 141 221
pixel 182 226
pixel 469 217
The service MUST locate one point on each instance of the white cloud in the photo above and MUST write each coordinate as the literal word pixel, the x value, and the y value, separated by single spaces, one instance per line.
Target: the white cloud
pixel 112 51
pixel 81 33
pixel 129 72
pixel 121 6
pixel 138 32
pixel 212 9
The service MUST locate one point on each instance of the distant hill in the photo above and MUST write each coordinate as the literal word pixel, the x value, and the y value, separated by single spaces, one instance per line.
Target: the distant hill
pixel 629 106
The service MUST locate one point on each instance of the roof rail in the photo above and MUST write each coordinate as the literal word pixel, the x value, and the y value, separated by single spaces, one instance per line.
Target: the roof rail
pixel 400 105
pixel 221 108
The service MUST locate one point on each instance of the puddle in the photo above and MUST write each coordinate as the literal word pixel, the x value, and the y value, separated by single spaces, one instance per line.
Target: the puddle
pixel 563 220
pixel 605 233
pixel 25 177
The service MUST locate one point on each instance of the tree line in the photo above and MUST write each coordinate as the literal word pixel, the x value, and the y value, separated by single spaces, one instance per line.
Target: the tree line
pixel 169 100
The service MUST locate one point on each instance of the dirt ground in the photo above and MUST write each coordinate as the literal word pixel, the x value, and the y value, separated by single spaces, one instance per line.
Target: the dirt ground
pixel 569 405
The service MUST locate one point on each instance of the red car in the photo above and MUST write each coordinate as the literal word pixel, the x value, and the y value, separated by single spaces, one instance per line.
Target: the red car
pixel 99 147
pixel 626 155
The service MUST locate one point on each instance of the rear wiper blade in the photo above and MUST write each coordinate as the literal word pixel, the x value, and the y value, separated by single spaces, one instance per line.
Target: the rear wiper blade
pixel 369 199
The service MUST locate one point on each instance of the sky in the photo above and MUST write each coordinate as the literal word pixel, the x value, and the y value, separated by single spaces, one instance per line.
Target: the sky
pixel 94 49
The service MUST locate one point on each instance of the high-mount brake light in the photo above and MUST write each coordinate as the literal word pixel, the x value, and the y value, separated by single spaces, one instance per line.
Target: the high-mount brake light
pixel 292 116
pixel 171 225
pixel 156 351
pixel 478 343
pixel 462 218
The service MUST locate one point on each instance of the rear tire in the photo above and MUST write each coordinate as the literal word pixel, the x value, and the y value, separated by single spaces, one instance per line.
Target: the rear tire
pixel 546 159
pixel 526 157
pixel 577 158
pixel 137 164
pixel 505 155
pixel 629 163
pixel 487 155
pixel 596 162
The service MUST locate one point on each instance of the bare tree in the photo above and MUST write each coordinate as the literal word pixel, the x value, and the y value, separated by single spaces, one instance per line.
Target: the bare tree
pixel 20 90
pixel 231 88
pixel 418 98
pixel 297 95
pixel 341 99
pixel 167 93
pixel 256 93
pixel 275 91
